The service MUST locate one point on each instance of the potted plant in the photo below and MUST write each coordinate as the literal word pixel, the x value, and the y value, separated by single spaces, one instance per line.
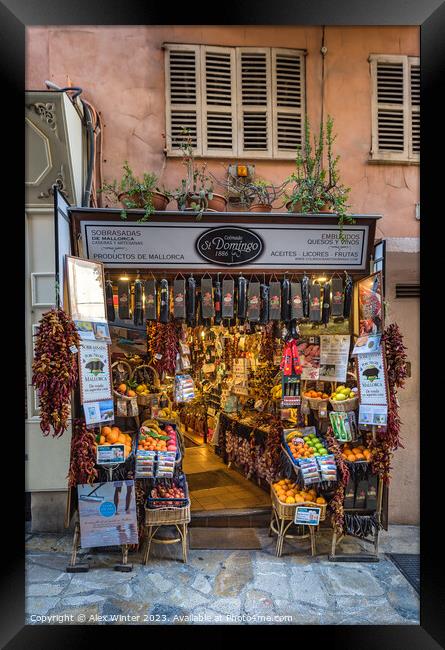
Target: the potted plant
pixel 134 193
pixel 257 195
pixel 317 189
pixel 196 191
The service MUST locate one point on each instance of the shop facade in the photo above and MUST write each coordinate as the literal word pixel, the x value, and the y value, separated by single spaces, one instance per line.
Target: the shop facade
pixel 135 119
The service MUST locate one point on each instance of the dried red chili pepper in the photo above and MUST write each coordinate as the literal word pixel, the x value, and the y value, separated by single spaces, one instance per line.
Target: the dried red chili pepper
pixel 55 369
pixel 83 456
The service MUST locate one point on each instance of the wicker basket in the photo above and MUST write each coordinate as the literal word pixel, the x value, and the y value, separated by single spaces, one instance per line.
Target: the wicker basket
pixel 317 403
pixel 287 510
pixel 346 405
pixel 127 370
pixel 164 516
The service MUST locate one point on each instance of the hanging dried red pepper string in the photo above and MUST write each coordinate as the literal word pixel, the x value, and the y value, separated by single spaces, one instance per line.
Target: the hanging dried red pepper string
pixel 83 455
pixel 336 503
pixel 55 369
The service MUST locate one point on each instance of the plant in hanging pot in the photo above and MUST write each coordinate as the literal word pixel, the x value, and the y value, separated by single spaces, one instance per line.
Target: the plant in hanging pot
pixel 136 194
pixel 317 189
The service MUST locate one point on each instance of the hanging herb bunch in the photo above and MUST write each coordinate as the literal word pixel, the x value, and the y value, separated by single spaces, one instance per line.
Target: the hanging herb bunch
pixel 55 370
pixel 336 503
pixel 83 456
pixel 387 441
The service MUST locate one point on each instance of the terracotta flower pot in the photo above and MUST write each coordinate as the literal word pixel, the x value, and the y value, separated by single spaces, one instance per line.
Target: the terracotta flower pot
pixel 326 209
pixel 260 207
pixel 135 199
pixel 218 203
pixel 294 207
pixel 160 201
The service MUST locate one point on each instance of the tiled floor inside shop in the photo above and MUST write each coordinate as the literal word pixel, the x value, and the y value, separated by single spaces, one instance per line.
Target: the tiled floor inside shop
pixel 214 486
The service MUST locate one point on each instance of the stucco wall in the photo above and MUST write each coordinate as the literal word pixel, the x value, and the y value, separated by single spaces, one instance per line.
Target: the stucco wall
pixel 121 70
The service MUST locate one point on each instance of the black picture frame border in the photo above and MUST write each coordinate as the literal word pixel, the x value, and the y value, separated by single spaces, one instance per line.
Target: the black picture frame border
pixel 15 15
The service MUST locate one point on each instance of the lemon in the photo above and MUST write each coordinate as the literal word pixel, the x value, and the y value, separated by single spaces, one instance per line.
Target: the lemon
pixel 340 397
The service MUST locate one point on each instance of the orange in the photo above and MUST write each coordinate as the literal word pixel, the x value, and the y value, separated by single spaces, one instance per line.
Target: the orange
pixel 131 393
pixel 359 456
pixel 122 388
pixel 290 499
pixel 320 500
pixel 351 458
pixel 106 431
pixel 113 437
pixel 299 499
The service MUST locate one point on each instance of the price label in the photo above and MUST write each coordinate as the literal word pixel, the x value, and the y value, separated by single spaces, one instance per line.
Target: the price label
pixel 307 515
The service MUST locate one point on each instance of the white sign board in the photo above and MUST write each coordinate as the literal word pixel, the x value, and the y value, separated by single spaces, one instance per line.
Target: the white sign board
pixel 190 245
pixel 94 372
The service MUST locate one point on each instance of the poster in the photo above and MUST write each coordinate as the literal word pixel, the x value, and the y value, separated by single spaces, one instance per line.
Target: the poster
pixel 93 331
pixel 370 305
pixel 107 514
pixel 372 379
pixel 110 454
pixel 309 352
pixel 94 372
pixel 334 354
pixel 367 343
pixel 86 291
pixel 97 412
pixel 373 415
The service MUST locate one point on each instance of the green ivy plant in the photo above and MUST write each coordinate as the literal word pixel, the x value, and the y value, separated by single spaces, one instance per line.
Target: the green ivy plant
pixel 314 185
pixel 133 192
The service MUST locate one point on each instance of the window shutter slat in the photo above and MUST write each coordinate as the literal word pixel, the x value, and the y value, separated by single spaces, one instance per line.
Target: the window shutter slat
pixel 183 96
pixel 254 101
pixel 288 101
pixel 414 86
pixel 218 100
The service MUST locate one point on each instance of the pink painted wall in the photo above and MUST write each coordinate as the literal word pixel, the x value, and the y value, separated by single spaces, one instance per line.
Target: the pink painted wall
pixel 121 70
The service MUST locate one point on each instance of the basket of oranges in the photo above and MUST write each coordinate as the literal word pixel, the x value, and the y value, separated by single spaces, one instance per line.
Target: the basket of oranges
pixel 317 399
pixel 114 436
pixel 356 454
pixel 286 496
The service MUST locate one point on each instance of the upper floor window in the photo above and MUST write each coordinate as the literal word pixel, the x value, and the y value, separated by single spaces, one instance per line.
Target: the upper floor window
pixel 395 108
pixel 235 101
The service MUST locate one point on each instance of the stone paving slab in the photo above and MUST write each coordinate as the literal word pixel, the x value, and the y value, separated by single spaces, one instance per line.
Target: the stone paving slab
pixel 221 587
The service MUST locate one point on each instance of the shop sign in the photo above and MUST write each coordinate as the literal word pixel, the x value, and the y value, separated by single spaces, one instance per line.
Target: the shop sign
pixel 94 372
pixel 372 383
pixel 229 246
pixel 255 246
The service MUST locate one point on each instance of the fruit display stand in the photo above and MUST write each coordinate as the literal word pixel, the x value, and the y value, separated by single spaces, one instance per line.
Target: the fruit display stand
pixel 158 515
pixel 283 515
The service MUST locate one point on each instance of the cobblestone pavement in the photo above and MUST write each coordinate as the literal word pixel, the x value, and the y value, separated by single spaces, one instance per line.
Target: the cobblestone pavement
pixel 223 587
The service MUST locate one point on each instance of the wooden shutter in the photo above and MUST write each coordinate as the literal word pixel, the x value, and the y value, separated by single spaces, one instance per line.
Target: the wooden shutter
pixel 414 88
pixel 254 102
pixel 288 101
pixel 218 76
pixel 183 95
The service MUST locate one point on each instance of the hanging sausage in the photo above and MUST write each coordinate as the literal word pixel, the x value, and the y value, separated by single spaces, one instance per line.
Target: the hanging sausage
pixel 337 297
pixel 111 313
pixel 296 301
pixel 264 295
pixel 285 301
pixel 228 292
pixel 326 309
pixel 190 301
pixel 207 307
pixel 348 296
pixel 179 298
pixel 253 302
pixel 242 299
pixel 138 311
pixel 151 300
pixel 305 295
pixel 123 296
pixel 275 300
pixel 164 301
pixel 315 303
pixel 217 297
